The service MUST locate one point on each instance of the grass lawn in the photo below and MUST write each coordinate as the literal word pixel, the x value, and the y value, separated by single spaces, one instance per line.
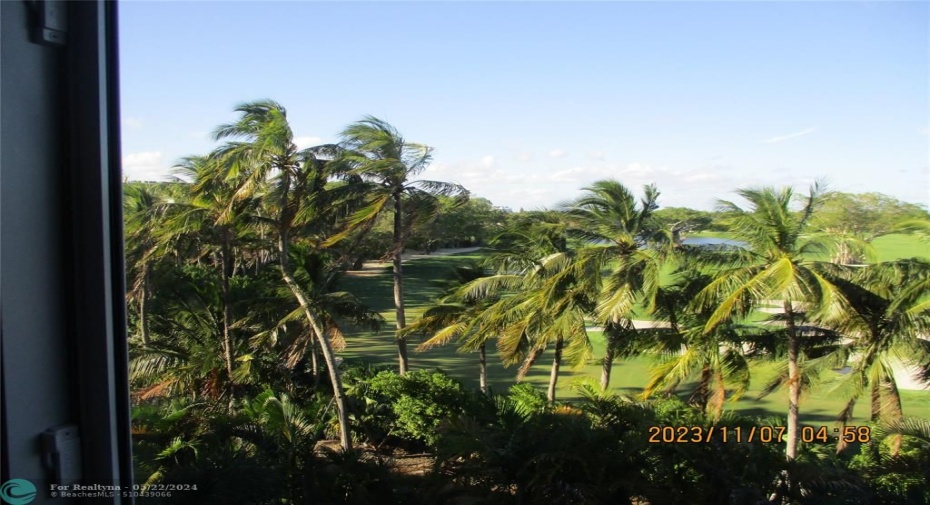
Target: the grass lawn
pixel 425 280
pixel 887 247
pixel 892 247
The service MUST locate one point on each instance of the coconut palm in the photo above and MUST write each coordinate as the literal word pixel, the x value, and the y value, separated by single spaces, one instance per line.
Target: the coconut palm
pixel 143 210
pixel 378 154
pixel 890 302
pixel 615 229
pixel 543 300
pixel 776 264
pixel 313 270
pixel 183 360
pixel 265 160
pixel 686 352
pixel 214 218
pixel 456 318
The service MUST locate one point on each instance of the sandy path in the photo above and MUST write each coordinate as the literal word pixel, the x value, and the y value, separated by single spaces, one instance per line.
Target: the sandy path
pixel 370 268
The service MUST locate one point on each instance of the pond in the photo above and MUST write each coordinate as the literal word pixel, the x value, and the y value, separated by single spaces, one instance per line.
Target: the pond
pixel 713 241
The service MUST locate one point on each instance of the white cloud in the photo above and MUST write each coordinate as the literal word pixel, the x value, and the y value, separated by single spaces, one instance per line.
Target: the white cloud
pixel 924 131
pixel 525 157
pixel 132 122
pixel 782 138
pixel 305 142
pixel 486 176
pixel 145 166
pixel 637 172
pixel 702 176
pixel 638 169
pixel 677 185
pixel 530 198
pixel 596 155
pixel 578 174
pixel 557 153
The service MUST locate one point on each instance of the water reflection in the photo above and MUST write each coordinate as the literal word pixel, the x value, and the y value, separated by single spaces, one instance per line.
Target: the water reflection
pixel 713 241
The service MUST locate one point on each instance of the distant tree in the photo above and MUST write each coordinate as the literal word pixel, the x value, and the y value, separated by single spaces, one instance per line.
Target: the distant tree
pixel 714 359
pixel 858 219
pixel 213 217
pixel 460 225
pixel 143 209
pixel 544 298
pixel 678 221
pixel 314 270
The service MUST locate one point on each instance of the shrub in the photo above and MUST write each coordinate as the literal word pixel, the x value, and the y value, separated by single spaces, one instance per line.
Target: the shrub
pixel 421 401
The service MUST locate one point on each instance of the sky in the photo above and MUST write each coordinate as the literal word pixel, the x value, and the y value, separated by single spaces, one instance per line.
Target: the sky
pixel 526 103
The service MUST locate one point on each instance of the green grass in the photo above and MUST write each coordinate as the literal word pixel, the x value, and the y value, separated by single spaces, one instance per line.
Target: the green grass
pixel 892 247
pixel 887 247
pixel 425 280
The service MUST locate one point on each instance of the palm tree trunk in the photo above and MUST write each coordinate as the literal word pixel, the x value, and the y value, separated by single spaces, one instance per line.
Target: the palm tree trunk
pixel 325 345
pixel 399 284
pixel 702 391
pixel 895 413
pixel 143 306
pixel 528 363
pixel 482 369
pixel 794 382
pixel 314 362
pixel 894 399
pixel 554 374
pixel 715 400
pixel 607 365
pixel 844 418
pixel 876 405
pixel 227 320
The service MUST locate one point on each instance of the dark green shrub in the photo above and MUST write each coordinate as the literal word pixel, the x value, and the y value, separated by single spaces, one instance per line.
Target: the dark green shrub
pixel 902 478
pixel 421 401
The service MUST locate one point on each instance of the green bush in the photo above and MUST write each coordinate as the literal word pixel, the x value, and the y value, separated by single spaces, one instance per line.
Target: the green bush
pixel 421 401
pixel 900 478
pixel 527 399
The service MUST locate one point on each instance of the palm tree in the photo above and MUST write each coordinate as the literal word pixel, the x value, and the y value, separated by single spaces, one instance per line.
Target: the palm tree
pixel 378 154
pixel 615 229
pixel 776 264
pixel 542 302
pixel 313 271
pixel 293 183
pixel 183 360
pixel 890 302
pixel 686 352
pixel 556 309
pixel 215 218
pixel 143 210
pixel 458 318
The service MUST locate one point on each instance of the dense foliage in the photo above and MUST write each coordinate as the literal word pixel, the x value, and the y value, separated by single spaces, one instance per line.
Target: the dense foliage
pixel 237 319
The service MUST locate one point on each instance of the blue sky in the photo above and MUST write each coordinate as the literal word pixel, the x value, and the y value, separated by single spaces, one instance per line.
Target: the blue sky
pixel 527 102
